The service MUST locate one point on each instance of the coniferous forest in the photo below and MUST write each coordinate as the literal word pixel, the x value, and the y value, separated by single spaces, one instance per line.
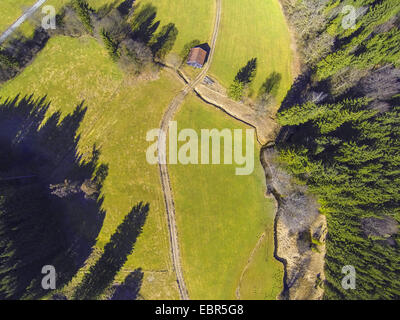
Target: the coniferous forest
pixel 341 136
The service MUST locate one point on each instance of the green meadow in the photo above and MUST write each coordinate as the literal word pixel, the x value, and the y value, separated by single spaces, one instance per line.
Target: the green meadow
pixel 253 29
pixel 249 29
pixel 220 217
pixel 193 19
pixel 11 10
pixel 119 114
pixel 262 279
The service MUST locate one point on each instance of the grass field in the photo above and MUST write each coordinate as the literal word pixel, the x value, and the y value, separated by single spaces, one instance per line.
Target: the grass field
pixel 253 29
pixel 220 217
pixel 263 277
pixel 119 114
pixel 193 19
pixel 11 10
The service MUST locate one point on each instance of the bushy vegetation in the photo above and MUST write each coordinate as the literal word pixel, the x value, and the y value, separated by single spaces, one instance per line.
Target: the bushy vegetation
pixel 84 12
pixel 116 30
pixel 187 47
pixel 111 46
pixel 342 138
pixel 7 61
pixel 129 33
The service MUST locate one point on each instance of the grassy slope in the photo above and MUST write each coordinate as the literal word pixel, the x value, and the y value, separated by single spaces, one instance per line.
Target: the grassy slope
pixel 261 281
pixel 11 10
pixel 69 71
pixel 220 217
pixel 253 28
pixel 193 19
pixel 229 58
pixel 27 28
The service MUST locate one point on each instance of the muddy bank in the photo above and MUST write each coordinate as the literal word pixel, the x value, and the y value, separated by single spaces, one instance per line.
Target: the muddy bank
pixel 266 130
pixel 300 233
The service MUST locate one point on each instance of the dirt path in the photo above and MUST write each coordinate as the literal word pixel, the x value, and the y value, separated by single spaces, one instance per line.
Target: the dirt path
pixel 162 147
pixel 21 20
pixel 253 252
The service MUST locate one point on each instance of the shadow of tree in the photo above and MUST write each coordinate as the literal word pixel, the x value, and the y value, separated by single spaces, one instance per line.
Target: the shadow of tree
pixel 125 7
pixel 247 73
pixel 21 50
pixel 106 8
pixel 46 216
pixel 297 92
pixel 271 84
pixel 129 290
pixel 116 252
pixel 163 42
pixel 143 23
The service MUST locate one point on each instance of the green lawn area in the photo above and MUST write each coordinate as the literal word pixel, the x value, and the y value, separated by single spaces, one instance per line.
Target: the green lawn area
pixel 193 19
pixel 96 4
pixel 263 278
pixel 119 114
pixel 220 217
pixel 11 10
pixel 253 29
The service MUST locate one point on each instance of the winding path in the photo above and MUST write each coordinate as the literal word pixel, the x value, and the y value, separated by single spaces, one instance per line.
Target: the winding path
pixel 21 20
pixel 162 155
pixel 249 261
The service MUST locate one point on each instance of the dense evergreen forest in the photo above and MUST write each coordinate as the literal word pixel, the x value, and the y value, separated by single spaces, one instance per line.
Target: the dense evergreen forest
pixel 341 136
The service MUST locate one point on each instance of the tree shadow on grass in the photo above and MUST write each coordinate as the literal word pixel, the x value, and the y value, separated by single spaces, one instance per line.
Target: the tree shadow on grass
pixel 21 50
pixel 106 8
pixel 125 7
pixel 247 73
pixel 116 252
pixel 47 217
pixel 143 24
pixel 129 290
pixel 271 84
pixel 163 42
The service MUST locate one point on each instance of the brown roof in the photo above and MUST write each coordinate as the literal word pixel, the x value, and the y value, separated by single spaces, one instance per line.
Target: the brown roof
pixel 197 55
